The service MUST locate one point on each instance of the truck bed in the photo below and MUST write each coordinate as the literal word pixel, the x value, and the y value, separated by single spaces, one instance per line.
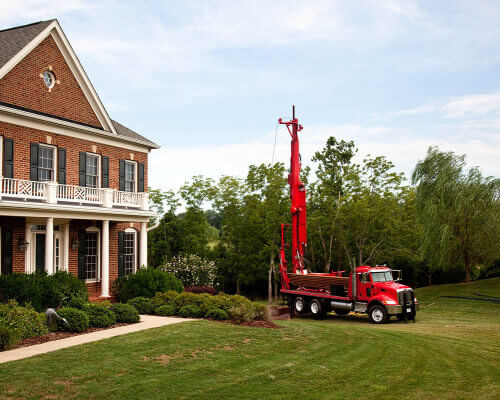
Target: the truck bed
pixel 318 281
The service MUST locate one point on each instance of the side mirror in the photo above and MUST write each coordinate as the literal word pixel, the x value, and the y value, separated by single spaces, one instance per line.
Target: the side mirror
pixel 397 275
pixel 364 277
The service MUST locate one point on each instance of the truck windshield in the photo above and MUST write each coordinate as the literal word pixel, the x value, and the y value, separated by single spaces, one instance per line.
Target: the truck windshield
pixel 383 276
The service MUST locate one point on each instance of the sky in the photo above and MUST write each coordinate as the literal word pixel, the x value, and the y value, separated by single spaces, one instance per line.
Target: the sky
pixel 207 80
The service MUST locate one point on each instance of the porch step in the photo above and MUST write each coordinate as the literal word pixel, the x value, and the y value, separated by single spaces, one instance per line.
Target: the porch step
pixel 100 299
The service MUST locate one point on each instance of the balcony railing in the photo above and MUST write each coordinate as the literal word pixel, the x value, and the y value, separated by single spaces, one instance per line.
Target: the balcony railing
pixel 51 192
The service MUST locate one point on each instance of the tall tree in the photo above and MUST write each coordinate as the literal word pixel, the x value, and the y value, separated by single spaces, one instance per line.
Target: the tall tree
pixel 459 211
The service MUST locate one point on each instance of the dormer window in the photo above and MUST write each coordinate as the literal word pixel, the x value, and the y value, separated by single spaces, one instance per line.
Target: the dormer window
pixel 49 79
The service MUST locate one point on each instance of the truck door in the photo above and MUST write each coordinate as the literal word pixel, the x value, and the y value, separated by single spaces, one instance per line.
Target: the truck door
pixel 364 286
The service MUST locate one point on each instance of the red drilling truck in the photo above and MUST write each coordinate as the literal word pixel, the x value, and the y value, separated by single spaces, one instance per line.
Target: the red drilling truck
pixel 371 290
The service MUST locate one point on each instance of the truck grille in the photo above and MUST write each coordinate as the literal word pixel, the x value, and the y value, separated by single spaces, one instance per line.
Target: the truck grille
pixel 405 296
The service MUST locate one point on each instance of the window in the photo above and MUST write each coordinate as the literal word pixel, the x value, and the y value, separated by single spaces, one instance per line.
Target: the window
pixel 46 164
pixel 130 176
pixel 49 79
pixel 130 256
pixel 57 254
pixel 92 171
pixel 91 255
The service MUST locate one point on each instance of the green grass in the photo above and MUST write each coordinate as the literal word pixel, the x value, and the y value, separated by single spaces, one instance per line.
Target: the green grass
pixel 450 353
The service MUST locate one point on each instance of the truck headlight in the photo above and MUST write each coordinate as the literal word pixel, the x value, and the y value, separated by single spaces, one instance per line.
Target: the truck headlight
pixel 390 302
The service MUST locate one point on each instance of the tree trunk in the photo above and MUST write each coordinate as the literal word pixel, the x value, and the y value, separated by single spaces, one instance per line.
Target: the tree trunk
pixel 467 268
pixel 237 282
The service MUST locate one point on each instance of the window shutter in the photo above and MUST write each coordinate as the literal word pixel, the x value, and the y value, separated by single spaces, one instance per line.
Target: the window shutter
pixel 82 169
pixel 81 254
pixel 6 251
pixel 34 162
pixel 121 253
pixel 121 186
pixel 61 167
pixel 140 173
pixel 8 158
pixel 105 172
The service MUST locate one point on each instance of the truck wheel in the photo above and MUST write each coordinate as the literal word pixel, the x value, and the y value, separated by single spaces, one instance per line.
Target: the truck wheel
pixel 317 310
pixel 300 305
pixel 377 314
pixel 340 311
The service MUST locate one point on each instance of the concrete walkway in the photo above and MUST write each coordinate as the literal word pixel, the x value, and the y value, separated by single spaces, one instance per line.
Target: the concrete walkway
pixel 146 322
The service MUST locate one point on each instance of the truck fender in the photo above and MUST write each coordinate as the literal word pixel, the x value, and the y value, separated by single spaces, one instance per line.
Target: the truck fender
pixel 380 299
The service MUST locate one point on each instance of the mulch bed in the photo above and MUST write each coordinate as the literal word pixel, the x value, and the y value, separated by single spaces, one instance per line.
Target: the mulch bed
pixel 59 335
pixel 253 324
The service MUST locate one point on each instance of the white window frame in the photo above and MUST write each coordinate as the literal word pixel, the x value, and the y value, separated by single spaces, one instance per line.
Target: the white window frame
pixel 99 168
pixel 54 163
pixel 98 272
pixel 59 236
pixel 134 232
pixel 136 180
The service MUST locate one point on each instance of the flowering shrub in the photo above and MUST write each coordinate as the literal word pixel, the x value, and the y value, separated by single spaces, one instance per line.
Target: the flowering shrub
pixel 192 270
pixel 201 289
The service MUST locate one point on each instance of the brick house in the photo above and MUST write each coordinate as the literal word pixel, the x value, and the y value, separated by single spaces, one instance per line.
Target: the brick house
pixel 72 181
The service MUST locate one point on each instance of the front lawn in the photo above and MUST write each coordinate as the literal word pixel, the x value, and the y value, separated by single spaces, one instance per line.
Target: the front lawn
pixel 450 353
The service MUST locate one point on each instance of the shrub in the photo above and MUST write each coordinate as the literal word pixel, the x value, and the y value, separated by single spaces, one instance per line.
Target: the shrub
pixel 78 320
pixel 201 289
pixel 242 313
pixel 199 300
pixel 218 314
pixel 192 270
pixel 261 312
pixel 125 313
pixel 162 299
pixel 225 302
pixel 25 320
pixel 143 305
pixel 190 310
pixel 9 337
pixel 145 283
pixel 165 310
pixel 41 290
pixel 100 316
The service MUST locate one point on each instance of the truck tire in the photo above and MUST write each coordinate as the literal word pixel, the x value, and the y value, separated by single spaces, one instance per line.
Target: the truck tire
pixel 378 314
pixel 339 311
pixel 300 305
pixel 317 309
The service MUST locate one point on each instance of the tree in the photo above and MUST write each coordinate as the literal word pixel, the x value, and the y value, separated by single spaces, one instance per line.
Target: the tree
pixel 459 211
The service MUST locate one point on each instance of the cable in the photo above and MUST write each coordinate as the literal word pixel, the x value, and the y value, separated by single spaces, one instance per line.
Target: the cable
pixel 275 137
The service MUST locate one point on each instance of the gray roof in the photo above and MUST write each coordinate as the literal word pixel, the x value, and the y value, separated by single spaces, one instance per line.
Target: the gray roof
pixel 13 40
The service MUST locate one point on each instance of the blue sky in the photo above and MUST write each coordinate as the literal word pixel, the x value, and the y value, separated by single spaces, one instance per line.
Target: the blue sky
pixel 207 80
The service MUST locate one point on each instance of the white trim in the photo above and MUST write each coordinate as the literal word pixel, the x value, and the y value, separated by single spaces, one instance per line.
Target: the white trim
pixel 54 29
pixel 98 244
pixel 99 169
pixel 54 160
pixel 73 129
pixel 136 250
pixel 58 236
pixel 136 178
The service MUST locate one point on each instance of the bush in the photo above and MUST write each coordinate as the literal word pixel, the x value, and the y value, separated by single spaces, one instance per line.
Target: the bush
pixel 9 337
pixel 25 320
pixel 190 310
pixel 143 305
pixel 162 299
pixel 199 300
pixel 192 270
pixel 125 313
pixel 78 320
pixel 261 312
pixel 242 313
pixel 201 289
pixel 145 283
pixel 100 316
pixel 218 314
pixel 165 310
pixel 43 291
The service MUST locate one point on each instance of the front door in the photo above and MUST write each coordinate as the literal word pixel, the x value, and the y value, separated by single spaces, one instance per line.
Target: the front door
pixel 40 252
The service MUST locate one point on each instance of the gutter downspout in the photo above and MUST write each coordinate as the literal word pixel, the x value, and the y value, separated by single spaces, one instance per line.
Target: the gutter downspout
pixel 155 225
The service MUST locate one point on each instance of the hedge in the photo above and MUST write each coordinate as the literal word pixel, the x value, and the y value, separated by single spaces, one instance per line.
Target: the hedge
pixel 100 316
pixel 78 320
pixel 143 305
pixel 25 320
pixel 217 314
pixel 9 336
pixel 165 310
pixel 125 313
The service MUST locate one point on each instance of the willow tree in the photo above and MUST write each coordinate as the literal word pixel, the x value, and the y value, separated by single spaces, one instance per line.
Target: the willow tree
pixel 459 211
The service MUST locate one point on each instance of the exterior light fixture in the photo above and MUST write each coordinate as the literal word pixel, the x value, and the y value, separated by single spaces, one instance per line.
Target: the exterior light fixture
pixel 23 244
pixel 75 243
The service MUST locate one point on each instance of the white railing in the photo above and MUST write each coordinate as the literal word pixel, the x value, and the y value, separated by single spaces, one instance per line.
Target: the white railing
pixel 128 199
pixel 79 194
pixel 22 189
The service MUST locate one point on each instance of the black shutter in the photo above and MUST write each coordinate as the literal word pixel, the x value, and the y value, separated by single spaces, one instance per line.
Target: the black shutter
pixel 6 251
pixel 81 254
pixel 61 167
pixel 105 172
pixel 121 185
pixel 34 162
pixel 82 169
pixel 121 253
pixel 8 158
pixel 140 173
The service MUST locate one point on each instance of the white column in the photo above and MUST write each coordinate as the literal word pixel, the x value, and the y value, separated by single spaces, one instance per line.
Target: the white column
pixel 49 246
pixel 143 254
pixel 105 259
pixel 65 247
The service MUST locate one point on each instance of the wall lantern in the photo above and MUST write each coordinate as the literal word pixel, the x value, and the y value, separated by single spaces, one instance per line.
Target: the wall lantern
pixel 22 244
pixel 75 243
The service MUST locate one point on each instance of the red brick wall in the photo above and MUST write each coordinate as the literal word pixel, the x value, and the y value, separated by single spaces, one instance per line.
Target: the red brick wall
pixel 18 231
pixel 24 136
pixel 23 86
